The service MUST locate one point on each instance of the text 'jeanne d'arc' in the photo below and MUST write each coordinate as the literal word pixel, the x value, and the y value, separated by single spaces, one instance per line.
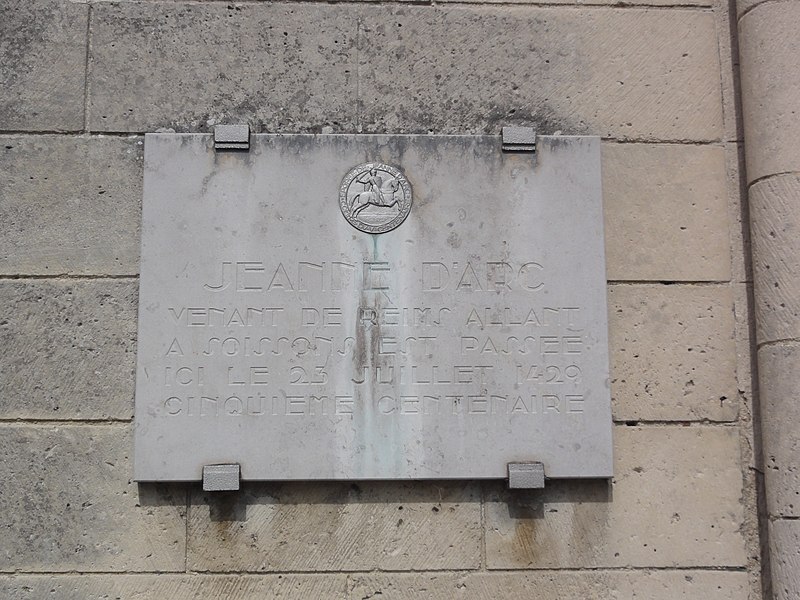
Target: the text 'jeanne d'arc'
pixel 490 276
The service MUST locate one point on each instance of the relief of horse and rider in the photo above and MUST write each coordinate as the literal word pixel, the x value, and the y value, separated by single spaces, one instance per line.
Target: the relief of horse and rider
pixel 377 192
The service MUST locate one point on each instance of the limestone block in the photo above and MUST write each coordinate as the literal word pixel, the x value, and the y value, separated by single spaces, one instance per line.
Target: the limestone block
pixel 666 212
pixel 674 502
pixel 775 218
pixel 779 382
pixel 616 585
pixel 43 45
pixel 335 526
pixel 174 587
pixel 68 504
pixel 673 352
pixel 70 205
pixel 68 349
pixel 189 65
pixel 784 537
pixel 770 81
pixel 638 74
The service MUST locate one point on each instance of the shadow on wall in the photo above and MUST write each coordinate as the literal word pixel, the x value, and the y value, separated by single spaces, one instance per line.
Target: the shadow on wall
pixel 362 526
pixel 533 504
pixel 521 504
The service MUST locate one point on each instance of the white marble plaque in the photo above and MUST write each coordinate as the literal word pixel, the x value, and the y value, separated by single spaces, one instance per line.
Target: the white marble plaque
pixel 372 307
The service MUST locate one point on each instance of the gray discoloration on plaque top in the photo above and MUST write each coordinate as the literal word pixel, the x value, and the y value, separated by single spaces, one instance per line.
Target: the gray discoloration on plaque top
pixel 275 335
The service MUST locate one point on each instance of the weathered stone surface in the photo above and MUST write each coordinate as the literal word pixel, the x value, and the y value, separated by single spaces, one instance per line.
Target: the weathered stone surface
pixel 673 352
pixel 645 585
pixel 674 502
pixel 666 212
pixel 68 504
pixel 43 45
pixel 288 68
pixel 745 356
pixel 775 218
pixel 173 587
pixel 729 70
pixel 623 74
pixel 785 556
pixel 183 64
pixel 770 76
pixel 70 205
pixel 334 526
pixel 738 214
pixel 742 6
pixel 596 2
pixel 779 376
pixel 69 349
pixel 770 90
pixel 674 95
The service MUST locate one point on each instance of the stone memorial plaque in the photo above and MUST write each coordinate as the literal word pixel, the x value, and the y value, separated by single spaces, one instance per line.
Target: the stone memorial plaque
pixel 372 307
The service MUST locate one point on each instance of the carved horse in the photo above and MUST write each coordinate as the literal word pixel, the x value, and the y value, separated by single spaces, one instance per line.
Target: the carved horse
pixel 386 198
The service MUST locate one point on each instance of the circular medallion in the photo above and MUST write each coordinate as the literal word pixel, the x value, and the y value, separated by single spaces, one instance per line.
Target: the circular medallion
pixel 375 197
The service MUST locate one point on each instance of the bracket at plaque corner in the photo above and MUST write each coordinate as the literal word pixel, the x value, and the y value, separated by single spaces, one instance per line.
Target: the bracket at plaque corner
pixel 519 139
pixel 232 137
pixel 221 478
pixel 526 476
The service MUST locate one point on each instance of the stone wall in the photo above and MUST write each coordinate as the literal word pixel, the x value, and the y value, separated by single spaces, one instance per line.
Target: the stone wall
pixel 83 81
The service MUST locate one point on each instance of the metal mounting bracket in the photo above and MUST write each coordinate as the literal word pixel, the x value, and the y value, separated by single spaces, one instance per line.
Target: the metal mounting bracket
pixel 526 476
pixel 232 137
pixel 519 139
pixel 221 478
